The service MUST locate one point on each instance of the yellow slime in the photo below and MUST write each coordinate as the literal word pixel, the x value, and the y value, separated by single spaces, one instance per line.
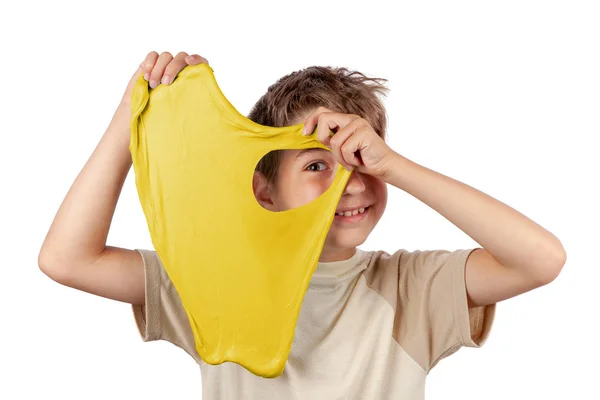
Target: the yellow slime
pixel 240 270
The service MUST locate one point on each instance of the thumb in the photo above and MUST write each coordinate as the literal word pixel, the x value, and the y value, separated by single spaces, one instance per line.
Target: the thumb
pixel 127 95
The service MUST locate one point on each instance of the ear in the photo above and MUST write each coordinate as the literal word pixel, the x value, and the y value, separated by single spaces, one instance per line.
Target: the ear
pixel 262 191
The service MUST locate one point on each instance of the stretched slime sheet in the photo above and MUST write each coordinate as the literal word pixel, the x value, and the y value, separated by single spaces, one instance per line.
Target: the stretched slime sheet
pixel 240 270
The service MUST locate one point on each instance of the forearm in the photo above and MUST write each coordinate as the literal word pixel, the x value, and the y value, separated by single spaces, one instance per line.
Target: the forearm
pixel 513 239
pixel 79 230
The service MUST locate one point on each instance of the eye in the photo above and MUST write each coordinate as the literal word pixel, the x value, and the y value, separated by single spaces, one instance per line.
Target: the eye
pixel 317 166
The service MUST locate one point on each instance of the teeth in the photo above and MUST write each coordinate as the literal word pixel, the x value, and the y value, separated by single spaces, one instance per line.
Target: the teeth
pixel 351 213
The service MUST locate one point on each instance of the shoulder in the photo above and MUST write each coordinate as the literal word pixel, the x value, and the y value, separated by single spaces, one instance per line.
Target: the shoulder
pixel 163 316
pixel 381 262
pixel 154 270
pixel 407 261
pixel 412 269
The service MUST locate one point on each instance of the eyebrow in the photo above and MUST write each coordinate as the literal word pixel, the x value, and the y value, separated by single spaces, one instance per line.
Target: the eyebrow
pixel 309 151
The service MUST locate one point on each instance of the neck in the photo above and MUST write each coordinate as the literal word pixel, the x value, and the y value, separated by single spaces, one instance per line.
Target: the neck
pixel 336 254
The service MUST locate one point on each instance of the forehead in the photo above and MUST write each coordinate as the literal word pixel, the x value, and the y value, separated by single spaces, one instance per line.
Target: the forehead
pixel 301 118
pixel 311 152
pixel 301 156
pixel 307 154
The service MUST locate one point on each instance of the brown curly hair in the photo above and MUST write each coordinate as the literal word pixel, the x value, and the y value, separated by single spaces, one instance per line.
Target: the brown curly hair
pixel 337 88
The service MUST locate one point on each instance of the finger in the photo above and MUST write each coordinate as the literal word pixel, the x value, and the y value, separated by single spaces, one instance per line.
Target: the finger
pixel 159 68
pixel 195 59
pixel 173 68
pixel 336 143
pixel 311 121
pixel 148 64
pixel 326 124
pixel 352 146
pixel 334 122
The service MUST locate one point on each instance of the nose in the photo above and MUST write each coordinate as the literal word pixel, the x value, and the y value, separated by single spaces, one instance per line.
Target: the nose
pixel 355 185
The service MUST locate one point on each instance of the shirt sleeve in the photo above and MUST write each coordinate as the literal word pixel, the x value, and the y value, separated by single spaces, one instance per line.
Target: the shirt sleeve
pixel 162 317
pixel 432 285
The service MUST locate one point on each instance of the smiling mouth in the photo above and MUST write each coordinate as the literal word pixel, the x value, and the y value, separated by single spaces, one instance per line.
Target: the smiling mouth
pixel 350 213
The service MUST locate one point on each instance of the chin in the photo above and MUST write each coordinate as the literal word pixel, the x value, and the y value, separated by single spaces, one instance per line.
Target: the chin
pixel 345 240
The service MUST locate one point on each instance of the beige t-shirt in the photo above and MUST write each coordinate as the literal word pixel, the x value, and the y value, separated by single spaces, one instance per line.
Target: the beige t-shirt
pixel 370 327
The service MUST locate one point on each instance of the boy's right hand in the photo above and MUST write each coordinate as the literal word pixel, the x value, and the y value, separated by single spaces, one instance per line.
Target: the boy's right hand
pixel 161 68
pixel 74 251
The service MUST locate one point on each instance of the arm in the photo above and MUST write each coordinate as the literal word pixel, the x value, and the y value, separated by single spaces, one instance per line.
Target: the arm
pixel 74 252
pixel 518 255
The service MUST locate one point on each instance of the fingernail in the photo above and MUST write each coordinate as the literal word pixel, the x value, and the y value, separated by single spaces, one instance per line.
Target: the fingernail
pixel 153 84
pixel 166 79
pixel 147 75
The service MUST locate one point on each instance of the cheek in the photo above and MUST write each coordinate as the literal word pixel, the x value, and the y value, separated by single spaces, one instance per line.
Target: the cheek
pixel 308 188
pixel 299 189
pixel 382 192
pixel 379 190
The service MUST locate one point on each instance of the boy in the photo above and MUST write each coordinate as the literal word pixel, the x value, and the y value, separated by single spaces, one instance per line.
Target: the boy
pixel 372 325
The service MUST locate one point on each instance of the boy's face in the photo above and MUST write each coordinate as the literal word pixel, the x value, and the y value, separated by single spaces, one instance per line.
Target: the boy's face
pixel 304 175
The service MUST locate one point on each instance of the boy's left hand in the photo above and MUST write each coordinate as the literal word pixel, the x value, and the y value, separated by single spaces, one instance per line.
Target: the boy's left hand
pixel 355 144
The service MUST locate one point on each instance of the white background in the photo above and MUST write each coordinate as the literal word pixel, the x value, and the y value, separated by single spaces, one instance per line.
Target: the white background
pixel 504 96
